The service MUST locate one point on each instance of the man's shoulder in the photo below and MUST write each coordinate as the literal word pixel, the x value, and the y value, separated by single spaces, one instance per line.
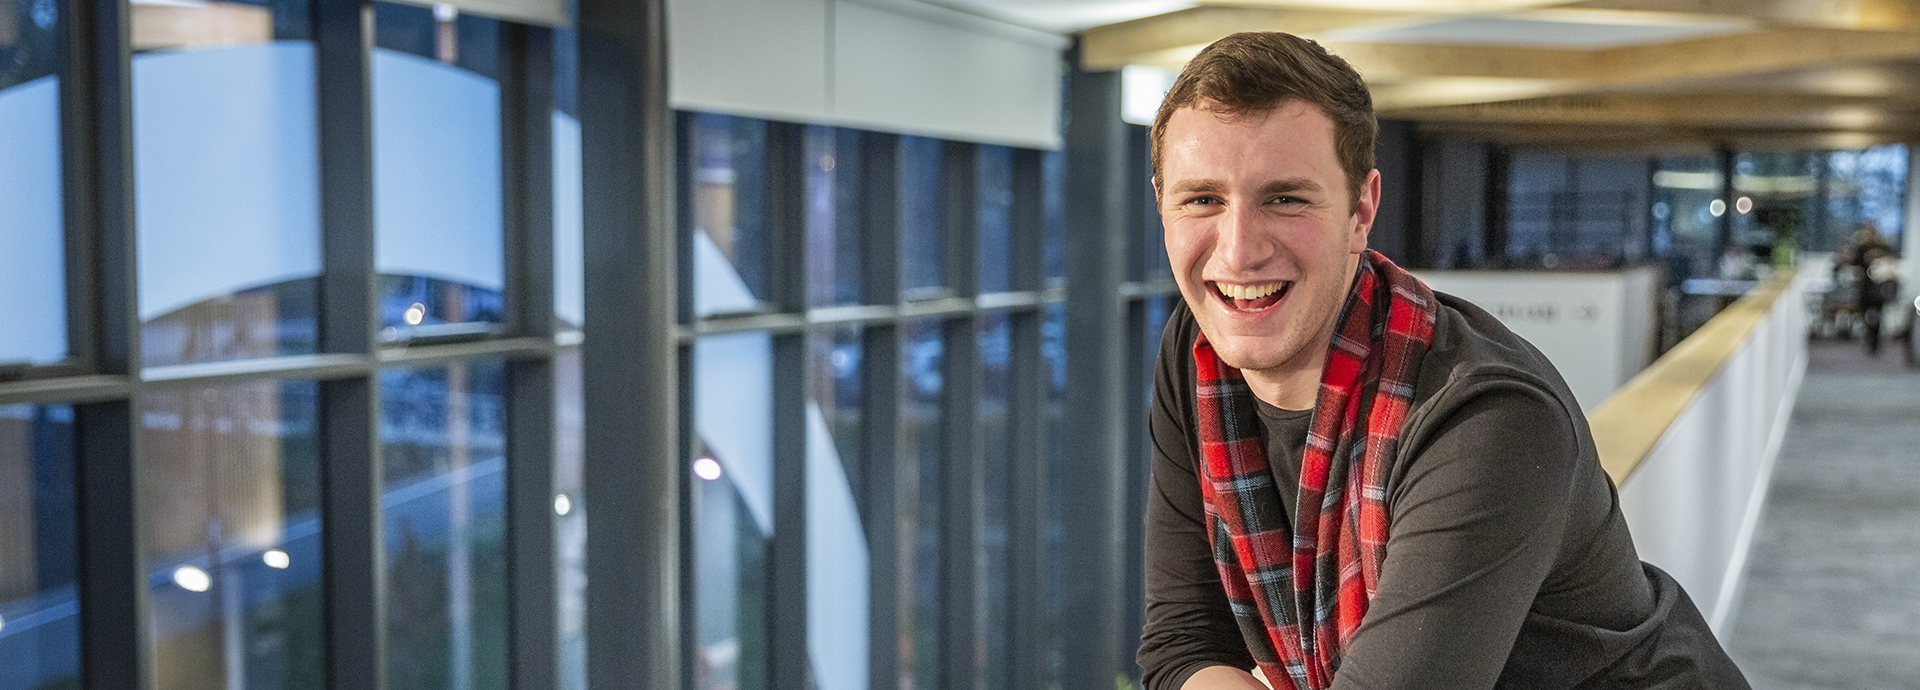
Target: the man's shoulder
pixel 1473 352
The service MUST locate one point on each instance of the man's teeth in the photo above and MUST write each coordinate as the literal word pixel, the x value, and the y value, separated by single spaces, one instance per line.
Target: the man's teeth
pixel 1249 291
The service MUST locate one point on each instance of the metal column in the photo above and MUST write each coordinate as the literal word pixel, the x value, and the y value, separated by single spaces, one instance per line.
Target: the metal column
pixel 635 474
pixel 1096 405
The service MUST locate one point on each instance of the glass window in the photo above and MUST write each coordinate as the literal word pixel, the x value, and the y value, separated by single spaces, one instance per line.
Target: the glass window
pixel 1685 226
pixel 996 360
pixel 923 218
pixel 230 509
pixel 1053 355
pixel 1866 186
pixel 833 216
pixel 733 510
pixel 226 180
pixel 39 608
pixel 33 317
pixel 570 536
pixel 443 443
pixel 920 520
pixel 993 180
pixel 569 200
pixel 838 564
pixel 730 266
pixel 1053 171
pixel 436 171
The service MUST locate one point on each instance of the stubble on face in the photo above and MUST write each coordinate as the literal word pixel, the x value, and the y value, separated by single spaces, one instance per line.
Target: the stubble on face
pixel 1257 201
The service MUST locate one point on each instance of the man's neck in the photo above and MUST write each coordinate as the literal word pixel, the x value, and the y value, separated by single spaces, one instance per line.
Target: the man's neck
pixel 1287 390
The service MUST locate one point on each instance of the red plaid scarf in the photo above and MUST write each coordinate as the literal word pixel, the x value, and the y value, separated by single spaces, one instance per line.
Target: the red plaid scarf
pixel 1300 597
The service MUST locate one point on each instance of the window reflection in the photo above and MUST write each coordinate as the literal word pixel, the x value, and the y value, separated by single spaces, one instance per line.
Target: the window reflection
pixel 996 359
pixel 226 176
pixel 732 471
pixel 39 608
pixel 230 493
pixel 437 185
pixel 993 180
pixel 923 218
pixel 729 159
pixel 833 215
pixel 920 521
pixel 33 316
pixel 1053 353
pixel 443 444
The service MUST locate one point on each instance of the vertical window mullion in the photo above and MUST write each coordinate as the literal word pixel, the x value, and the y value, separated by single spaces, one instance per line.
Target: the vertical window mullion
pixel 104 331
pixel 880 404
pixel 962 508
pixel 349 412
pixel 786 232
pixel 1026 398
pixel 526 108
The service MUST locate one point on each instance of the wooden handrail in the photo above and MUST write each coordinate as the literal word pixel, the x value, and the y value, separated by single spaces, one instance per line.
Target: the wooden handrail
pixel 1628 424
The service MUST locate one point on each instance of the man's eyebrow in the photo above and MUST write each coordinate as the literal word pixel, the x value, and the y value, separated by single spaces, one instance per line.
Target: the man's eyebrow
pixel 1190 186
pixel 1292 184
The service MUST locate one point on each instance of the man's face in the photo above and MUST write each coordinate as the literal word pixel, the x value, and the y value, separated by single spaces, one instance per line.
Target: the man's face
pixel 1261 231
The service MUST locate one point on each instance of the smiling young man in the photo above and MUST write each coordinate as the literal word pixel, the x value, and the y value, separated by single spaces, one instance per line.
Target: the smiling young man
pixel 1359 483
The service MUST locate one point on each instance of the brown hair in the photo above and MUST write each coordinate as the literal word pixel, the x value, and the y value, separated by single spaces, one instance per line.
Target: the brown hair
pixel 1257 71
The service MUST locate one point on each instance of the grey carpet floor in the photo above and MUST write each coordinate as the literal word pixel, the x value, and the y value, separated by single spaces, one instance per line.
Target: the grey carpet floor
pixel 1832 592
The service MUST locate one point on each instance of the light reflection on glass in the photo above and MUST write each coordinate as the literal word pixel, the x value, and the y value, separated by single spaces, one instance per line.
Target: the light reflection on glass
pixel 230 478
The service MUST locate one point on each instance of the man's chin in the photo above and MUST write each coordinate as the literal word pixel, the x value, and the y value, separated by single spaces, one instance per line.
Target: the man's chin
pixel 1248 352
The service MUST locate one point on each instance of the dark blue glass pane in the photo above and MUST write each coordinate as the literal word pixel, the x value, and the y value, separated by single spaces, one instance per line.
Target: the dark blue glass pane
pixel 39 534
pixel 923 218
pixel 834 254
pixel 993 178
pixel 921 445
pixel 729 183
pixel 33 316
pixel 996 355
pixel 230 515
pixel 1053 174
pixel 834 382
pixel 1053 354
pixel 443 444
pixel 436 156
pixel 733 514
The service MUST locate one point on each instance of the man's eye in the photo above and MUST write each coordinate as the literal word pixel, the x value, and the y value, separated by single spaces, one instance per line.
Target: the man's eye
pixel 1203 201
pixel 1288 200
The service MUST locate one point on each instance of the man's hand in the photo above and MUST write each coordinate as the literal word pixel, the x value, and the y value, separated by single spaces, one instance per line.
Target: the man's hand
pixel 1224 678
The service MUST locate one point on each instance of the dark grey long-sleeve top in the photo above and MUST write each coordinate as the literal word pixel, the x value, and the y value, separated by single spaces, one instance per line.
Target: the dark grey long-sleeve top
pixel 1508 562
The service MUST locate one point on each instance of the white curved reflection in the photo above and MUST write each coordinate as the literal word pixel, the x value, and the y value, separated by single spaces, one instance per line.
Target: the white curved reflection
pixel 277 559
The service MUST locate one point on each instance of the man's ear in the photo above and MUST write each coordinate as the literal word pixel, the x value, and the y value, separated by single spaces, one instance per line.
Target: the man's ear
pixel 1364 213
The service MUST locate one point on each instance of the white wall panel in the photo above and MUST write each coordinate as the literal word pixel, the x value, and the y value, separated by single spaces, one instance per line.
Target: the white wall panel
pixel 765 58
pixel 898 72
pixel 1594 326
pixel 887 65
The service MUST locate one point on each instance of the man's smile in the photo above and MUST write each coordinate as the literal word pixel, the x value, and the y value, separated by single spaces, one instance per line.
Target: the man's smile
pixel 1251 297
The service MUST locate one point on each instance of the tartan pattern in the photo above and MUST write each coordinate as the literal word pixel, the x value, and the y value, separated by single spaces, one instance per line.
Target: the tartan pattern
pixel 1299 597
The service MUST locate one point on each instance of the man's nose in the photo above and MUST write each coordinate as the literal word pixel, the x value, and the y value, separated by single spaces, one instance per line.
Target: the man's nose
pixel 1243 244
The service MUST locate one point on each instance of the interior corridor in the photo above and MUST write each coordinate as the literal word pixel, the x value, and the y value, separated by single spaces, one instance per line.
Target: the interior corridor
pixel 1831 600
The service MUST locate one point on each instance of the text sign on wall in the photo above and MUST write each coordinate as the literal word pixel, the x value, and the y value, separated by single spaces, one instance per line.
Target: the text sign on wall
pixel 1594 326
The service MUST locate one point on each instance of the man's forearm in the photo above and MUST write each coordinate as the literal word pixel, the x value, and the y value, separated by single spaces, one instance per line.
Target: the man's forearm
pixel 1223 678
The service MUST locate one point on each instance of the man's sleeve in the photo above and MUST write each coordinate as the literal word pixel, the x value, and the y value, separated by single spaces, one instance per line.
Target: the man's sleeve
pixel 1188 623
pixel 1477 523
